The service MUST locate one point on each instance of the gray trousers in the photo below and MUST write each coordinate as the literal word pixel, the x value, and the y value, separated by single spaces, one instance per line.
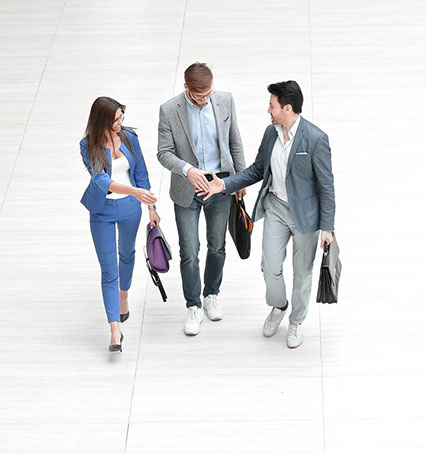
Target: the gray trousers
pixel 277 229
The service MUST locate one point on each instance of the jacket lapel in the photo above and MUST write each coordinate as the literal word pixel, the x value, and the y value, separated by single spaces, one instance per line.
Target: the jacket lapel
pixel 270 147
pixel 128 155
pixel 220 118
pixel 296 144
pixel 184 119
pixel 108 153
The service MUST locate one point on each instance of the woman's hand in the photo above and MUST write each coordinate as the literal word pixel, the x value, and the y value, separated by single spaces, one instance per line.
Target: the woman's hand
pixel 144 196
pixel 153 217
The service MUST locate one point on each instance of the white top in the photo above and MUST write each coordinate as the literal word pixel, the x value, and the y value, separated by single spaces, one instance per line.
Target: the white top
pixel 279 159
pixel 120 174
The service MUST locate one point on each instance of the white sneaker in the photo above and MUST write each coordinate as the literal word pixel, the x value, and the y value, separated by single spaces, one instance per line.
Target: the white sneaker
pixel 273 321
pixel 213 310
pixel 294 336
pixel 194 317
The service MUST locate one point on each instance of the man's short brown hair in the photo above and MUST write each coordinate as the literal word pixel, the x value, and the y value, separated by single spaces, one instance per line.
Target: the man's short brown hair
pixel 198 77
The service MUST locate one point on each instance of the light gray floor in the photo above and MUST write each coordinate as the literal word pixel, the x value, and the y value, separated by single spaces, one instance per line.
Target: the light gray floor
pixel 357 384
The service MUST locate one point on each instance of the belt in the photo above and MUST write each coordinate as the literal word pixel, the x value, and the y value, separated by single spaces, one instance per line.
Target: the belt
pixel 221 175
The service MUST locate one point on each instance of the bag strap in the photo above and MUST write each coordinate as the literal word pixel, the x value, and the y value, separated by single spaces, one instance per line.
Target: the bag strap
pixel 244 217
pixel 248 224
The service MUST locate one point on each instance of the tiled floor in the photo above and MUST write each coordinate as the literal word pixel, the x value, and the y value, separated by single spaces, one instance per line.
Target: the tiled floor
pixel 357 383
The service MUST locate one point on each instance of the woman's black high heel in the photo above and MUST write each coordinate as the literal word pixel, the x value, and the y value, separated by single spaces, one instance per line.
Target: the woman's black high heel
pixel 117 347
pixel 124 317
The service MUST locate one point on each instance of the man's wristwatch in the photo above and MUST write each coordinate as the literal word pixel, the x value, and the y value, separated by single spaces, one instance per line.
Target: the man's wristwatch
pixel 152 207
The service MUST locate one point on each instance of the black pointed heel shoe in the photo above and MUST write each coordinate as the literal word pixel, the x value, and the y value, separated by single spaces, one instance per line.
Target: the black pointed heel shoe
pixel 124 317
pixel 117 347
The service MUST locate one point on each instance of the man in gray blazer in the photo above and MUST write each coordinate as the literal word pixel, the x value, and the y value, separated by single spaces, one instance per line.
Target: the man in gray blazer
pixel 198 134
pixel 296 199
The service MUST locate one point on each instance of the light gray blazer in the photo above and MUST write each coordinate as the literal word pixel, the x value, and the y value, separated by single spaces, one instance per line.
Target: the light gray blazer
pixel 309 178
pixel 176 147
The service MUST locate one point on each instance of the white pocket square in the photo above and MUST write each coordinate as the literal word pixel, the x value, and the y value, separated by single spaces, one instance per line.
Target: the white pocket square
pixel 302 152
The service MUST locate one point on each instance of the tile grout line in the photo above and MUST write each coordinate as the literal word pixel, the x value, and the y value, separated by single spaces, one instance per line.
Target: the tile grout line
pixel 319 311
pixel 163 170
pixel 147 279
pixel 322 379
pixel 310 57
pixel 180 46
pixel 136 365
pixel 32 108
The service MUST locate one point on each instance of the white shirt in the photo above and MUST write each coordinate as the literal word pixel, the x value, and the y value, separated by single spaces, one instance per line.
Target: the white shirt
pixel 120 174
pixel 279 158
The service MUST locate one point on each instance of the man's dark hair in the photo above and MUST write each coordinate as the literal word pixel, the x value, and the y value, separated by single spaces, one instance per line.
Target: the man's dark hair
pixel 288 93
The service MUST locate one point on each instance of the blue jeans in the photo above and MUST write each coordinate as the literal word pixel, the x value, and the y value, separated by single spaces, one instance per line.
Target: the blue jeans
pixel 126 214
pixel 216 211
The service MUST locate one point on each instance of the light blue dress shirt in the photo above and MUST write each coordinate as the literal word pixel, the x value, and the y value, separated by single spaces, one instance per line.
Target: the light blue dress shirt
pixel 204 135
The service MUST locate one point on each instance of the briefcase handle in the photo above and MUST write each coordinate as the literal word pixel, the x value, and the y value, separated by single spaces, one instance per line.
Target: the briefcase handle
pixel 326 248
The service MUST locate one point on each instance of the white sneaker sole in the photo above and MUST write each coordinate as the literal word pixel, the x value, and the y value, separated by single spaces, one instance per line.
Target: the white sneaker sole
pixel 213 319
pixel 191 333
pixel 295 346
pixel 271 333
pixel 194 333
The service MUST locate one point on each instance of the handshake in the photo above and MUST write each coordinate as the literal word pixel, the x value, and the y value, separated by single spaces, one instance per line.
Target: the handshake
pixel 208 184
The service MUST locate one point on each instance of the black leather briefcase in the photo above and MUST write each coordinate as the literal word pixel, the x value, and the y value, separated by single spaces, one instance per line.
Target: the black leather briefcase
pixel 240 227
pixel 331 268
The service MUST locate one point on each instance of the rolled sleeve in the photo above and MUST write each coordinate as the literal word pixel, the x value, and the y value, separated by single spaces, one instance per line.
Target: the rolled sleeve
pixel 101 179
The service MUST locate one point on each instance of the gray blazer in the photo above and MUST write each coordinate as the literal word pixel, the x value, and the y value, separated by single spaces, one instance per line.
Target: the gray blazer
pixel 309 178
pixel 176 147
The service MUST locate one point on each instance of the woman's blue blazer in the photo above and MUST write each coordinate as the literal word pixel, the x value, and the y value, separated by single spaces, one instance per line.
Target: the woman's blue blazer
pixel 94 196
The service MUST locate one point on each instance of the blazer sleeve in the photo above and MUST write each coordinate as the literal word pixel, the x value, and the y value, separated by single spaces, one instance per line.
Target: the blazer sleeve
pixel 101 179
pixel 141 172
pixel 166 152
pixel 235 143
pixel 249 176
pixel 321 160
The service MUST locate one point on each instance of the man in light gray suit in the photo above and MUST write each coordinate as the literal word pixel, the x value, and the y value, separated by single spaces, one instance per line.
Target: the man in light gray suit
pixel 296 199
pixel 198 134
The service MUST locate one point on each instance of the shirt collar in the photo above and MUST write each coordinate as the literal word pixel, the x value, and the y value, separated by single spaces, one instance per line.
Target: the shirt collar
pixel 292 131
pixel 191 103
pixel 279 129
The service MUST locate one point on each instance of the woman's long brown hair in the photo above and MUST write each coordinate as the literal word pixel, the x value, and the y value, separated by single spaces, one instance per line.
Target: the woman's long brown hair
pixel 102 115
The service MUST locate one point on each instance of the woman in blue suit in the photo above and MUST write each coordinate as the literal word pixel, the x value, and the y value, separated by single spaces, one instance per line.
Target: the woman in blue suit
pixel 119 184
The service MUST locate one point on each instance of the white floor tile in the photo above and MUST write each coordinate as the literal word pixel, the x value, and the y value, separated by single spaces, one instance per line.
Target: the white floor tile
pixel 39 438
pixel 226 437
pixel 375 435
